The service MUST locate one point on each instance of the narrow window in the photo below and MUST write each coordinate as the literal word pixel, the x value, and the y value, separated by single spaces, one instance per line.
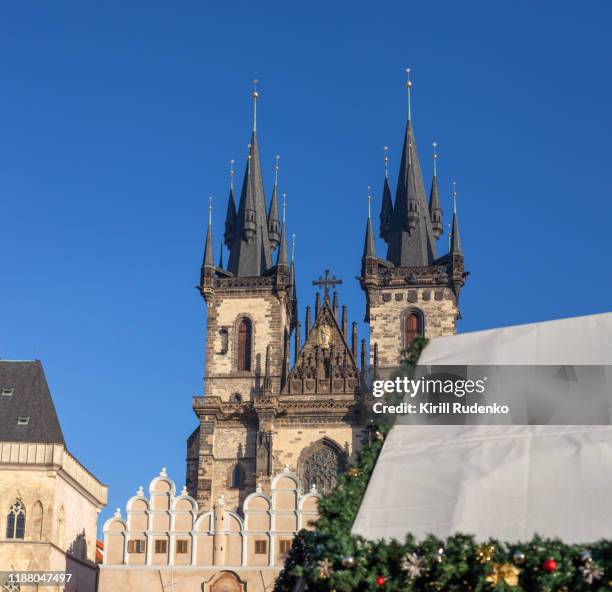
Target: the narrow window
pixel 261 547
pixel 7 392
pixel 136 546
pixel 15 521
pixel 23 421
pixel 244 345
pixel 182 546
pixel 236 477
pixel 412 328
pixel 285 545
pixel 161 546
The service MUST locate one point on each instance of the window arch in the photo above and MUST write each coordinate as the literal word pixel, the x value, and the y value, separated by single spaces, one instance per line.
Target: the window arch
pixel 36 522
pixel 15 521
pixel 236 477
pixel 245 342
pixel 412 326
pixel 320 464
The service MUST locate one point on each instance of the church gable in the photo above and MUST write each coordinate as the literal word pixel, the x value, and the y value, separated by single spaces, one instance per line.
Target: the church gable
pixel 325 364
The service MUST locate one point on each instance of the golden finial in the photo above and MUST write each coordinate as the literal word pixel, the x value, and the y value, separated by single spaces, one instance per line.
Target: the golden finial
pixel 276 159
pixel 386 150
pixel 454 197
pixel 210 210
pixel 255 97
pixel 369 202
pixel 284 206
pixel 232 175
pixel 408 87
pixel 435 158
pixel 292 247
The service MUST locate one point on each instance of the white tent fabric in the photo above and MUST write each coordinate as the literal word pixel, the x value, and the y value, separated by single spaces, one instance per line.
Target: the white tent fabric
pixel 576 341
pixel 503 481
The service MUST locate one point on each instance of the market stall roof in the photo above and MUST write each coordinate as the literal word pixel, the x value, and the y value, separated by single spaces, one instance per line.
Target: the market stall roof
pixel 504 481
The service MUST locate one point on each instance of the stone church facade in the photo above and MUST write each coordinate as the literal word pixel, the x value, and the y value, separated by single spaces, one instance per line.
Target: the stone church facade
pixel 282 398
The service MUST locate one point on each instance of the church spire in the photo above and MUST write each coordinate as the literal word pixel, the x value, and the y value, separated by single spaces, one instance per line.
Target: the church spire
pixel 208 246
pixel 273 225
pixel 455 238
pixel 411 240
pixel 369 247
pixel 435 211
pixel 230 216
pixel 386 207
pixel 250 251
pixel 282 258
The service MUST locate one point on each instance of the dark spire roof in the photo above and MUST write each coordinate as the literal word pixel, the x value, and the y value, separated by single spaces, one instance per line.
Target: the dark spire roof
pixel 230 218
pixel 220 255
pixel 250 252
pixel 27 414
pixel 435 211
pixel 455 238
pixel 209 260
pixel 273 222
pixel 369 246
pixel 411 239
pixel 386 210
pixel 282 258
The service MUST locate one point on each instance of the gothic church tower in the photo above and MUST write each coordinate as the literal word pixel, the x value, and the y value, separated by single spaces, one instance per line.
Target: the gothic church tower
pixel 254 419
pixel 413 291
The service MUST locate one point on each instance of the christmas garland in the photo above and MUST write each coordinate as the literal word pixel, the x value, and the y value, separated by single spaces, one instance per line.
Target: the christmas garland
pixel 331 559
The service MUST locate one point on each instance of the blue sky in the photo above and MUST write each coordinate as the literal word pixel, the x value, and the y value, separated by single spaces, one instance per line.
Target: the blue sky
pixel 118 120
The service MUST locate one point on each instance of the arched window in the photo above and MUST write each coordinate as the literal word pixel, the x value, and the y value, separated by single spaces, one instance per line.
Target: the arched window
pixel 413 327
pixel 320 464
pixel 236 477
pixel 245 337
pixel 36 522
pixel 15 521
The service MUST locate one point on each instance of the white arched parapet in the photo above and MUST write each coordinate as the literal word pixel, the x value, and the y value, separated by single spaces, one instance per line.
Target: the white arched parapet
pixel 113 519
pixel 138 503
pixel 205 522
pixel 234 519
pixel 186 498
pixel 252 502
pixel 162 484
pixel 308 499
pixel 286 474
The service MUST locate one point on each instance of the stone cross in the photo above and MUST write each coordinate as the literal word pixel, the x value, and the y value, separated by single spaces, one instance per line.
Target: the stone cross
pixel 327 282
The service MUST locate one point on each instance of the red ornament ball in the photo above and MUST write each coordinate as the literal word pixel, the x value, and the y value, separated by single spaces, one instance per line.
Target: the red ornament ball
pixel 380 581
pixel 550 565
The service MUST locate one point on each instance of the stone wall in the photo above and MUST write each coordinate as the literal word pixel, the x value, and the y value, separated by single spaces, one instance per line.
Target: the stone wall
pixel 269 317
pixel 62 501
pixel 388 306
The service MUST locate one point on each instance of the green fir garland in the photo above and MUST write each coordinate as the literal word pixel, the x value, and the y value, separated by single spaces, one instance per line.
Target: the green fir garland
pixel 331 559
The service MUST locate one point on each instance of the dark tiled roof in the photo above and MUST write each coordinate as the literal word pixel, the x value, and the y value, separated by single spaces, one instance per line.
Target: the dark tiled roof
pixel 417 246
pixel 30 398
pixel 251 258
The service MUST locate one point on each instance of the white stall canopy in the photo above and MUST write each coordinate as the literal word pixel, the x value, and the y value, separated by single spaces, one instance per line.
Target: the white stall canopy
pixel 504 481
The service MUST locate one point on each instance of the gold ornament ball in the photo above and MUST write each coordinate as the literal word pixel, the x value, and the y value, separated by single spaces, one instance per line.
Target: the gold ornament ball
pixel 348 561
pixel 518 557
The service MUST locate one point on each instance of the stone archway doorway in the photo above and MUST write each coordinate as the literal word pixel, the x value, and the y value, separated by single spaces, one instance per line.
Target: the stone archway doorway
pixel 226 581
